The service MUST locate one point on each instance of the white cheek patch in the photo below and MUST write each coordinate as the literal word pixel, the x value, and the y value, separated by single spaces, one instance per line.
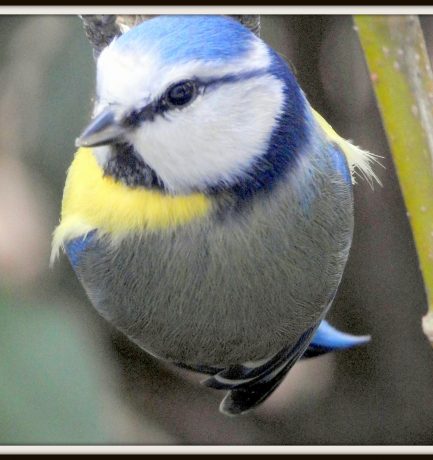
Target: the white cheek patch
pixel 216 138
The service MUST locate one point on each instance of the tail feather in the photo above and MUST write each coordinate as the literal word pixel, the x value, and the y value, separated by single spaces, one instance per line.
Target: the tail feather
pixel 251 383
pixel 243 400
pixel 247 395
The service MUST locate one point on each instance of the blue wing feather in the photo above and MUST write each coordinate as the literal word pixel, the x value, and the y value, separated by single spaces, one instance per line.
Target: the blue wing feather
pixel 327 338
pixel 74 248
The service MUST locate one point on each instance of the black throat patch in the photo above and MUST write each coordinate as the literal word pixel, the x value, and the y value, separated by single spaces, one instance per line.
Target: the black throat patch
pixel 126 166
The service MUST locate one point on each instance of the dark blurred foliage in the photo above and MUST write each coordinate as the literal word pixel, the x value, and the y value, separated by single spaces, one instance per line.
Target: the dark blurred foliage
pixel 67 377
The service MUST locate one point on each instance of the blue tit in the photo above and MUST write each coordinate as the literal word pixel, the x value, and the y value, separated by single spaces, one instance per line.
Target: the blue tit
pixel 208 212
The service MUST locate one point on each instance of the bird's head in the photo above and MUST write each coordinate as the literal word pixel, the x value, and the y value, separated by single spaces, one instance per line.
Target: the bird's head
pixel 190 103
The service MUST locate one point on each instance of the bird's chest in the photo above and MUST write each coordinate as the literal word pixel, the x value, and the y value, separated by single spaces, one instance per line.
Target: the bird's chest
pixel 206 291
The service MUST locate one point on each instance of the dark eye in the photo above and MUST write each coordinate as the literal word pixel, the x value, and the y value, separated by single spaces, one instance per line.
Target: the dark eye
pixel 181 93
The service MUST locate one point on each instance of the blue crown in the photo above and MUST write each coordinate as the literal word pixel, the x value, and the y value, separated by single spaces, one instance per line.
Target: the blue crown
pixel 181 38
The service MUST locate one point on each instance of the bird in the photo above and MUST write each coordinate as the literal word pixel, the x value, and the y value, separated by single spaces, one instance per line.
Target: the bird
pixel 208 211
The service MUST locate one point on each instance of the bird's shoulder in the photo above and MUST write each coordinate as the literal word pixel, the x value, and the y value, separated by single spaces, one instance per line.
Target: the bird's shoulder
pixel 360 162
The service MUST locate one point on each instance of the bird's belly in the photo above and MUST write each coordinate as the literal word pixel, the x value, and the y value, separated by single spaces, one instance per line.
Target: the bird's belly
pixel 223 292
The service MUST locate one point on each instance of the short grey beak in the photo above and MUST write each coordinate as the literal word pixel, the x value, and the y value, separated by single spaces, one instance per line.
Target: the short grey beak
pixel 104 129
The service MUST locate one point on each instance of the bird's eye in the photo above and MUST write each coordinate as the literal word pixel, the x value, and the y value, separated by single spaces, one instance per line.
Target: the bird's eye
pixel 181 93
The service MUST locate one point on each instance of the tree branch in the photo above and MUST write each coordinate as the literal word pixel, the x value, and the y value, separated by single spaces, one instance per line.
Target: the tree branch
pixel 402 78
pixel 100 29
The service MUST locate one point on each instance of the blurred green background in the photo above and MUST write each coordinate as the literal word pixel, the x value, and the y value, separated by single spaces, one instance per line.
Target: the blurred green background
pixel 67 377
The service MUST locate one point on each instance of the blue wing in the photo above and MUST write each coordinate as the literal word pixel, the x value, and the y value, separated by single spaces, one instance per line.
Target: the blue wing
pixel 74 248
pixel 327 338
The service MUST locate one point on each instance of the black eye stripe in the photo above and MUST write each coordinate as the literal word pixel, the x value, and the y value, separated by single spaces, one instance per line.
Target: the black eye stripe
pixel 182 93
pixel 175 97
pixel 135 117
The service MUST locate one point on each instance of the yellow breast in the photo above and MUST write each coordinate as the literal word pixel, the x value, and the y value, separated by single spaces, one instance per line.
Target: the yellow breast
pixel 92 201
